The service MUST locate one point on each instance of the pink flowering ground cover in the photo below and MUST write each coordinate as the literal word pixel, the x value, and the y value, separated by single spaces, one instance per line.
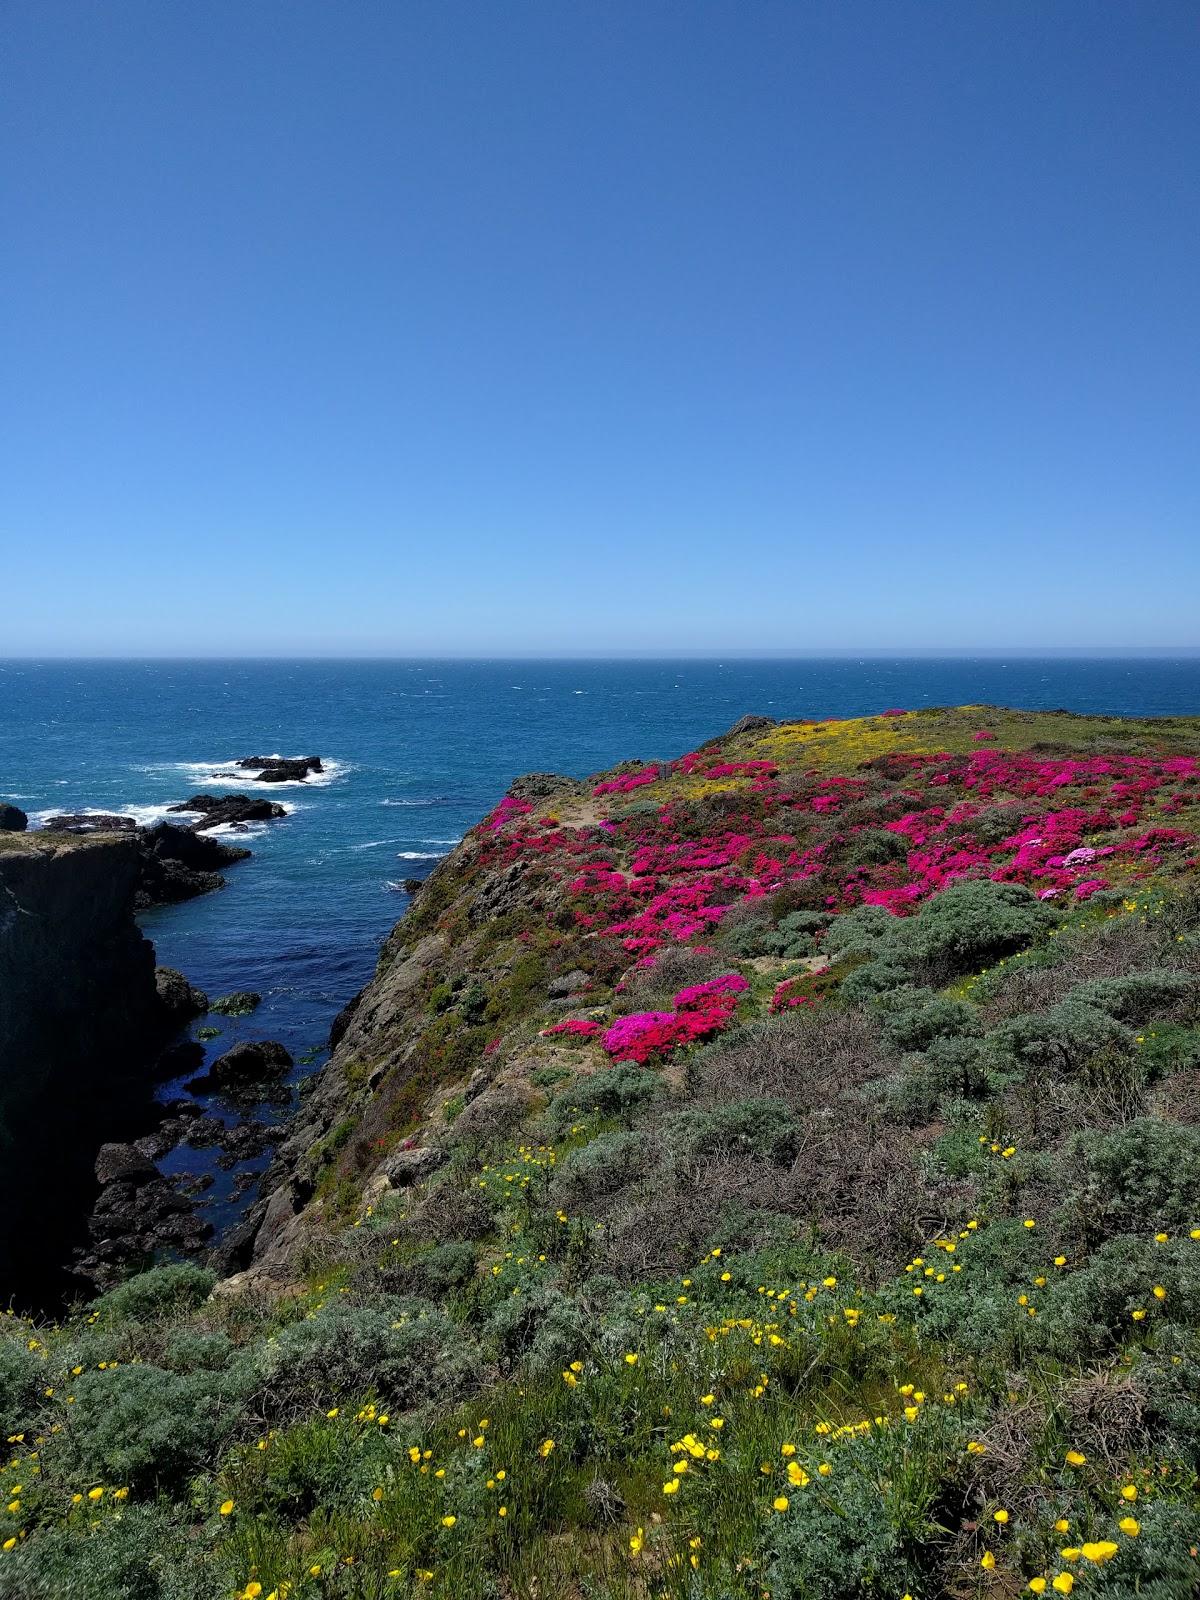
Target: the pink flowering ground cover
pixel 736 825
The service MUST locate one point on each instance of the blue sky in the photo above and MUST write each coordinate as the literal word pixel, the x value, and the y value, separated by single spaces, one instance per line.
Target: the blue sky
pixel 611 325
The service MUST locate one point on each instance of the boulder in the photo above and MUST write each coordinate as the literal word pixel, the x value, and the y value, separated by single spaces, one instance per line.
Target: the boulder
pixel 180 999
pixel 251 1065
pixel 222 810
pixel 281 769
pixel 12 819
pixel 404 1167
pixel 238 1004
pixel 124 1163
pixel 571 983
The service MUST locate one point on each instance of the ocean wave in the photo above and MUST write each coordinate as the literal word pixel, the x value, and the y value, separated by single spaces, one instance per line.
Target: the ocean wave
pixel 420 855
pixel 373 844
pixel 424 800
pixel 144 816
pixel 457 839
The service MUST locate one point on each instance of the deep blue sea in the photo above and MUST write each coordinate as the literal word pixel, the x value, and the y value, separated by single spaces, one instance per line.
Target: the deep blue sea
pixel 416 752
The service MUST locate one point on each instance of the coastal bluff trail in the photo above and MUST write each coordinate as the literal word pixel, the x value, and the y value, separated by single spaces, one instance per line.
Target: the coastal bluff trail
pixel 765 1170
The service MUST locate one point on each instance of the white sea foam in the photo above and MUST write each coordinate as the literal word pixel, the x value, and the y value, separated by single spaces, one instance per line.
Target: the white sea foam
pixel 420 855
pixel 457 839
pixel 209 772
pixel 144 816
pixel 424 800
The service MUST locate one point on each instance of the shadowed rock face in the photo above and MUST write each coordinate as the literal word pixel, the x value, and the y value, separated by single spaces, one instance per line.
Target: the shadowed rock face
pixel 80 1021
pixel 12 819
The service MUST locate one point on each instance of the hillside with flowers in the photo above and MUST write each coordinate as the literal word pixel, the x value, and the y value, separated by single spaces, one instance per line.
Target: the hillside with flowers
pixel 771 1173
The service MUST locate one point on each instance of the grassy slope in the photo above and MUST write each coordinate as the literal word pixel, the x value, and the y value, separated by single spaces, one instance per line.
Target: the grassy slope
pixel 888 1285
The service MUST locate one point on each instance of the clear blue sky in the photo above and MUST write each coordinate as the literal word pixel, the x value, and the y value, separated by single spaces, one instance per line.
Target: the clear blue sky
pixel 594 325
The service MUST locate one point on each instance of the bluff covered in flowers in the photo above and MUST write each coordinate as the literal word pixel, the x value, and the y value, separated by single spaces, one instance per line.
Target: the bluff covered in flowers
pixel 766 1172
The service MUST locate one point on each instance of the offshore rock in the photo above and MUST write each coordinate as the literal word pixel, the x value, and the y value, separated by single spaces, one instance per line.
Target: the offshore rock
pixel 249 1066
pixel 90 822
pixel 178 864
pixel 281 769
pixel 12 819
pixel 223 810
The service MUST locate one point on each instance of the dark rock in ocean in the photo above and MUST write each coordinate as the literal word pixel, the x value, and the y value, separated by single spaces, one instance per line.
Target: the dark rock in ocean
pixel 90 822
pixel 412 886
pixel 123 1163
pixel 243 1142
pixel 249 1066
pixel 178 864
pixel 220 810
pixel 281 769
pixel 12 819
pixel 180 999
pixel 238 1004
pixel 177 1060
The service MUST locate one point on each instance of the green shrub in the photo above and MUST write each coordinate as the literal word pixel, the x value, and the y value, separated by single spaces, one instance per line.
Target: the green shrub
pixel 1088 1312
pixel 613 1093
pixel 1138 996
pixel 965 927
pixel 161 1292
pixel 1063 1039
pixel 913 1018
pixel 543 1328
pixel 599 1168
pixel 874 1533
pixel 192 1349
pixel 22 1378
pixel 1142 1178
pixel 403 1353
pixel 768 1128
pixel 145 1553
pixel 146 1428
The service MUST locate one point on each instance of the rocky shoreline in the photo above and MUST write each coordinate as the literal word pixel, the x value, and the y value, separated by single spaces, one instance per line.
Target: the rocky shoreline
pixel 81 996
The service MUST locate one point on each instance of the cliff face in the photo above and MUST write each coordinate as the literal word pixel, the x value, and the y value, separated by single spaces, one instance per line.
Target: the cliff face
pixel 78 1017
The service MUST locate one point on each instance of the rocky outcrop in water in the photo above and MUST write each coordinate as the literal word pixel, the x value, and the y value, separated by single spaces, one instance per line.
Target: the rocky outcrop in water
pixel 281 769
pixel 229 810
pixel 12 819
pixel 175 862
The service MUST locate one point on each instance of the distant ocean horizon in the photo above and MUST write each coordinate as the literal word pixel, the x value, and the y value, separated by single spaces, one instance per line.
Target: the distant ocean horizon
pixel 416 751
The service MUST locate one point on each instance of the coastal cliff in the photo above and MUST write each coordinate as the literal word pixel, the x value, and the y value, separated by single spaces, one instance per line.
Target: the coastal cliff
pixel 79 1017
pixel 769 1170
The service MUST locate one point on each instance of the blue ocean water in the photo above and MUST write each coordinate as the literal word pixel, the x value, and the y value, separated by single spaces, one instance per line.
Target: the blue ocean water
pixel 417 751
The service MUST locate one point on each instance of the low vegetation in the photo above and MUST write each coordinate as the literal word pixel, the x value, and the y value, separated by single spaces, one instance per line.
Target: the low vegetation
pixel 819 1216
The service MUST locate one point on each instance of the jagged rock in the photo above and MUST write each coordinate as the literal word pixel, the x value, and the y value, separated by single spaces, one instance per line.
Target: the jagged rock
pixel 543 785
pixel 748 724
pixel 12 819
pixel 281 769
pixel 219 810
pixel 571 983
pixel 404 1167
pixel 476 1084
pixel 250 1065
pixel 178 864
pixel 238 1004
pixel 180 999
pixel 89 822
pixel 123 1163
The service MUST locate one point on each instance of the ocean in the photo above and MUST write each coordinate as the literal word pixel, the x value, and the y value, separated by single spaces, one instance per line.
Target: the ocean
pixel 415 753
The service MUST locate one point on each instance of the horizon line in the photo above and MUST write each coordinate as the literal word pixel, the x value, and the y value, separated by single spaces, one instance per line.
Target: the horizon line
pixel 875 652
